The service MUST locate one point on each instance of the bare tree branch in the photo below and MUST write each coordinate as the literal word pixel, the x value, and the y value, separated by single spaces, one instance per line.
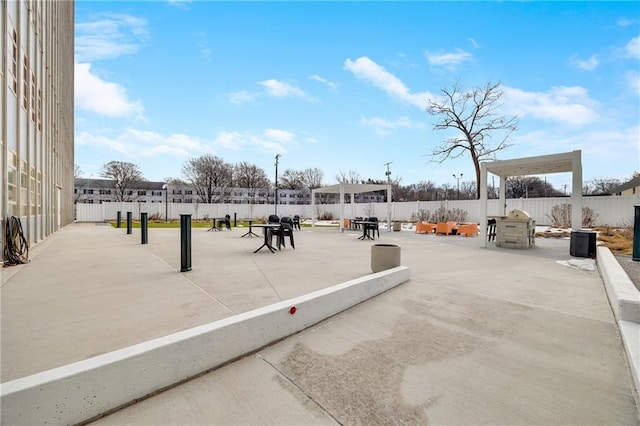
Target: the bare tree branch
pixel 476 115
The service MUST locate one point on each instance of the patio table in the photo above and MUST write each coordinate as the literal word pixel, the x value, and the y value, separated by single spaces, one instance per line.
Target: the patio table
pixel 266 228
pixel 250 233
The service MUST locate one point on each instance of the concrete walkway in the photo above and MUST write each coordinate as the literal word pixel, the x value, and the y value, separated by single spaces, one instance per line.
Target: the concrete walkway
pixel 477 336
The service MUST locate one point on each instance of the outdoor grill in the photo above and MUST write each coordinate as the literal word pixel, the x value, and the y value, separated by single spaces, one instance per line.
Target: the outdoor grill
pixel 516 230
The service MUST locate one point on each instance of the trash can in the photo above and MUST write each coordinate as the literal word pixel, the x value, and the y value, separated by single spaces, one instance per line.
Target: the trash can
pixel 397 226
pixel 384 256
pixel 583 244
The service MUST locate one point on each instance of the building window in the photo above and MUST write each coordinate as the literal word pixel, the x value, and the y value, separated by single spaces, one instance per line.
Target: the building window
pixel 142 192
pixel 39 115
pixel 188 192
pixel 105 192
pixel 13 68
pixel 33 97
pixel 25 82
pixel 88 191
pixel 156 193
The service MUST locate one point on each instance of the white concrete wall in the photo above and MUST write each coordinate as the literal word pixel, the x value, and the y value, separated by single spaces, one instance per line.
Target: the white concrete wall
pixel 80 391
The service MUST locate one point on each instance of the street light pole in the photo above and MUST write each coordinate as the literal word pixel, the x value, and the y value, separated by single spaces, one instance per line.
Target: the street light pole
pixel 458 178
pixel 276 203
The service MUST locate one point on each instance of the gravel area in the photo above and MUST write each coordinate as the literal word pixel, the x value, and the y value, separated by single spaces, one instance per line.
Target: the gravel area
pixel 631 267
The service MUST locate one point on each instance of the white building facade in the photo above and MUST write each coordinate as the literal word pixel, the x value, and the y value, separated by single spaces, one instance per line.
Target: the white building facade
pixel 37 125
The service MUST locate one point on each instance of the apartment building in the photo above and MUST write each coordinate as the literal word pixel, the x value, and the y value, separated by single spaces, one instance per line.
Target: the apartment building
pixel 96 191
pixel 37 125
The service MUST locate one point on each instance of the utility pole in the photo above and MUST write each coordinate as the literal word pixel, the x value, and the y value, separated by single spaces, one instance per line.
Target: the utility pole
pixel 388 173
pixel 458 178
pixel 276 203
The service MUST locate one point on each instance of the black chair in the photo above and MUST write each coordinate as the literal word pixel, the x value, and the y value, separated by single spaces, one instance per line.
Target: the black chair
pixel 285 230
pixel 491 229
pixel 373 226
pixel 296 222
pixel 226 222
pixel 273 218
pixel 355 224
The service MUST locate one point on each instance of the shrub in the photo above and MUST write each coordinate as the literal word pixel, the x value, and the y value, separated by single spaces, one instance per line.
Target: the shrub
pixel 561 216
pixel 326 216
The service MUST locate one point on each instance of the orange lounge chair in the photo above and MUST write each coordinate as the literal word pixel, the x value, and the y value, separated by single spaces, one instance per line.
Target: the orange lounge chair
pixel 469 229
pixel 425 227
pixel 445 228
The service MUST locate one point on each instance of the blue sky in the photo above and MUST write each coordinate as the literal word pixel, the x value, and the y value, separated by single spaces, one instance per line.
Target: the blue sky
pixel 343 86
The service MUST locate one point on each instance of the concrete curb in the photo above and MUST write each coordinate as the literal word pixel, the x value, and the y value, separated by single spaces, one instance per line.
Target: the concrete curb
pixel 624 299
pixel 86 389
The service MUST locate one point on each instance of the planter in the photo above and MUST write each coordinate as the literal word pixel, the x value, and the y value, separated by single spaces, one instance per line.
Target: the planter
pixel 397 226
pixel 384 256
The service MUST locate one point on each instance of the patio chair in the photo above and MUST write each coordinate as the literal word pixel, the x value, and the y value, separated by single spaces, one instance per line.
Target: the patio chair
pixel 373 227
pixel 226 221
pixel 491 229
pixel 274 218
pixel 355 223
pixel 445 228
pixel 296 222
pixel 468 229
pixel 425 228
pixel 285 230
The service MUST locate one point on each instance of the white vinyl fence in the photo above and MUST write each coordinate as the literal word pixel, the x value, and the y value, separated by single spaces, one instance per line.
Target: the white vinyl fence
pixel 609 210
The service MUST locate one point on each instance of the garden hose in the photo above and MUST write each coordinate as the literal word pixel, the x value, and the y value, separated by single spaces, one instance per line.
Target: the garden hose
pixel 16 249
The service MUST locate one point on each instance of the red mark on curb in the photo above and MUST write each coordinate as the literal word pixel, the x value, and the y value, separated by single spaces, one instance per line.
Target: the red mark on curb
pixel 293 310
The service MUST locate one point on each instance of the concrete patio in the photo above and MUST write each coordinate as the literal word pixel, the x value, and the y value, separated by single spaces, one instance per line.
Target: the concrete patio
pixel 476 336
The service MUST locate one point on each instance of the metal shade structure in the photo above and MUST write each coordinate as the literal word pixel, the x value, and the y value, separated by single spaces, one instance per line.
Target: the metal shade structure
pixel 350 188
pixel 543 164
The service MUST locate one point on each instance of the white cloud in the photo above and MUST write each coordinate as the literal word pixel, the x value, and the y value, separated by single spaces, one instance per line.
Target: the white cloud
pixel 242 97
pixel 449 60
pixel 384 127
pixel 474 43
pixel 141 143
pixel 624 22
pixel 632 49
pixel 102 97
pixel 633 77
pixel 110 36
pixel 269 140
pixel 330 84
pixel 567 105
pixel 586 65
pixel 182 4
pixel 280 89
pixel 365 69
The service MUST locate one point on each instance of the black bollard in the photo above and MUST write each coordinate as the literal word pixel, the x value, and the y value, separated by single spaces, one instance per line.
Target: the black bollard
pixel 235 218
pixel 118 219
pixel 636 234
pixel 185 242
pixel 144 234
pixel 129 222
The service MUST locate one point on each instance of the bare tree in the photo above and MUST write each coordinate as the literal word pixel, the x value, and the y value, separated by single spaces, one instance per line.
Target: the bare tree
pixel 475 115
pixel 250 176
pixel 312 177
pixel 349 177
pixel 125 177
pixel 209 176
pixel 291 179
pixel 601 186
